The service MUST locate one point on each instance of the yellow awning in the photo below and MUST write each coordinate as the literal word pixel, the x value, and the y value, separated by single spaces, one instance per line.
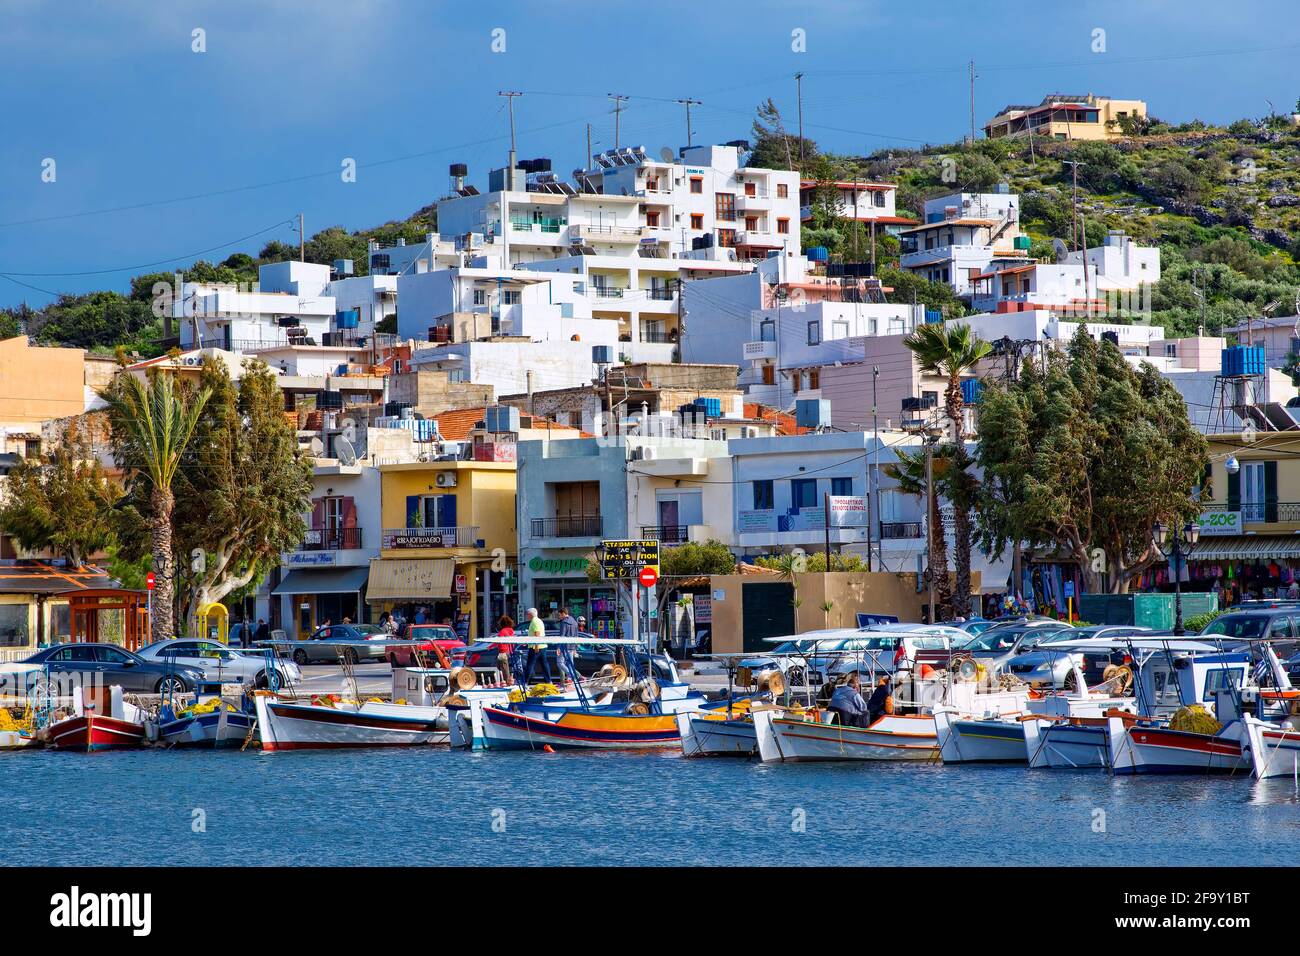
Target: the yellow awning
pixel 410 579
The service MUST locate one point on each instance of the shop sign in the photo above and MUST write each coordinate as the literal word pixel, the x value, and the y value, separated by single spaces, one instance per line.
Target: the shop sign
pixel 462 586
pixel 309 559
pixel 421 539
pixel 540 565
pixel 755 521
pixel 1220 522
pixel 625 559
pixel 702 604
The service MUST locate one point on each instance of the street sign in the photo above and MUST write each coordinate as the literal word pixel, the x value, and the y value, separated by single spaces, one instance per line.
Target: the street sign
pixel 149 581
pixel 648 577
pixel 625 559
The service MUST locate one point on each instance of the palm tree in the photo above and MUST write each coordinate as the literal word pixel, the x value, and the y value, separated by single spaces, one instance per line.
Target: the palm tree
pixel 909 472
pixel 948 351
pixel 152 424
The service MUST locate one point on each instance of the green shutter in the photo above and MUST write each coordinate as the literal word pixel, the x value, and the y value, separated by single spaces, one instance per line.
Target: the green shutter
pixel 1234 491
pixel 1270 491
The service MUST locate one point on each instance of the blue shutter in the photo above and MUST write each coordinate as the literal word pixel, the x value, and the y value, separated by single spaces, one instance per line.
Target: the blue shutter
pixel 446 511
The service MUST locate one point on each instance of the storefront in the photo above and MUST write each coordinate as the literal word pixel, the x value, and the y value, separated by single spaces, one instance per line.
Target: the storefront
pixel 1239 567
pixel 420 590
pixel 311 596
pixel 555 582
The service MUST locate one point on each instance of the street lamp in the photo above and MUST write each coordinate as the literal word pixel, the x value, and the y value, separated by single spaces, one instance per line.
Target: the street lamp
pixel 1189 534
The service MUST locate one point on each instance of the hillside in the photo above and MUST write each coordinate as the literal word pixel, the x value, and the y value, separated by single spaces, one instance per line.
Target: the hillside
pixel 1222 203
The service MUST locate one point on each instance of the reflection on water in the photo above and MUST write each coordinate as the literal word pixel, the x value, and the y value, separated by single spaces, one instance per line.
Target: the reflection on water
pixel 362 807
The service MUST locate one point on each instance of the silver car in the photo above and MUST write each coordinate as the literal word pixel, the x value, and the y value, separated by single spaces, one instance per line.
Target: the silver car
pixel 1047 668
pixel 219 662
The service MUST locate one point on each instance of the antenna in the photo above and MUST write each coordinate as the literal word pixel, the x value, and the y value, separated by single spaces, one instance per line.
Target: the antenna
pixel 510 103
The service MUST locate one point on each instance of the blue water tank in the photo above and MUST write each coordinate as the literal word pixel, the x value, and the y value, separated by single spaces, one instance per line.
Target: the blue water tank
pixel 933 316
pixel 1243 360
pixel 819 254
pixel 712 406
pixel 971 390
pixel 812 412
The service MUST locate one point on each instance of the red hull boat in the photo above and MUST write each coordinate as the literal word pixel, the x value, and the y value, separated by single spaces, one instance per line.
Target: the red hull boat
pixel 95 733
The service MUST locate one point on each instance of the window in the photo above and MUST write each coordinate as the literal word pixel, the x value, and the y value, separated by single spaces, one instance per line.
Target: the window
pixel 803 493
pixel 764 497
pixel 782 191
pixel 815 378
pixel 725 206
pixel 510 297
pixel 878 198
pixel 13 624
pixel 652 219
pixel 751 223
pixel 841 486
pixel 797 379
pixel 480 296
pixel 697 220
pixel 783 226
pixel 751 189
pixel 697 184
pixel 839 329
pixel 814 333
pixel 726 237
pixel 439 511
pixel 110 655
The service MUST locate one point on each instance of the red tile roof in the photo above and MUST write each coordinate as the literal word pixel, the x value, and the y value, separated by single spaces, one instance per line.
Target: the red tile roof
pixel 456 424
pixel 783 420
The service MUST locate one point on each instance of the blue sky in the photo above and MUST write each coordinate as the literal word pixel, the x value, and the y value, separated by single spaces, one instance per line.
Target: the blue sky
pixel 253 131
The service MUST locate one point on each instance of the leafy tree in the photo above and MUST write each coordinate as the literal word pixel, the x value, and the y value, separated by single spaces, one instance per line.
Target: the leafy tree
pixel 910 287
pixel 152 424
pixel 243 484
pixel 950 352
pixel 98 320
pixel 815 562
pixel 774 148
pixel 1083 458
pixel 61 502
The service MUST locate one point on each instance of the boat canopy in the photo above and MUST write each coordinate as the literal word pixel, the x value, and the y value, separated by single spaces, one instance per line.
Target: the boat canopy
pixel 559 641
pixel 20 668
pixel 1182 645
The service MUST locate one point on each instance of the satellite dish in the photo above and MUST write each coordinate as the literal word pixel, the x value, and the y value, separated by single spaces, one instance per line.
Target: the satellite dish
pixel 317 448
pixel 347 455
pixel 1061 250
pixel 667 154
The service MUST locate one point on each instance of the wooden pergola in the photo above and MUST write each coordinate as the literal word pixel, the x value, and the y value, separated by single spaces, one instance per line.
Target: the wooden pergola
pixel 84 607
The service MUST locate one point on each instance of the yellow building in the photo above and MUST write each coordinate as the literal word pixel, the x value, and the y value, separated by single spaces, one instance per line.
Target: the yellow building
pixel 1250 518
pixel 1066 116
pixel 36 385
pixel 448 543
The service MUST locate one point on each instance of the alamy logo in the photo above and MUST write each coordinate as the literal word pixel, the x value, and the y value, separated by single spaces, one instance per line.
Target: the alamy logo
pixel 75 909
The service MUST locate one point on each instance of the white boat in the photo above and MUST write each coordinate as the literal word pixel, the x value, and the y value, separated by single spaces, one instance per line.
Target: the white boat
pixel 713 736
pixel 816 735
pixel 1273 731
pixel 303 725
pixel 16 689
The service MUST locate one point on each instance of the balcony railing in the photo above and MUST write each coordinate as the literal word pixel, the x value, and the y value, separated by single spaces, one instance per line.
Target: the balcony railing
pixel 666 533
pixel 463 536
pixel 661 293
pixel 900 529
pixel 1260 512
pixel 331 539
pixel 568 526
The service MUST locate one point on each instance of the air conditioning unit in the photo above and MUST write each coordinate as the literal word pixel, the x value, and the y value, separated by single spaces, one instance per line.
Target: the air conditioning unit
pixel 445 479
pixel 749 431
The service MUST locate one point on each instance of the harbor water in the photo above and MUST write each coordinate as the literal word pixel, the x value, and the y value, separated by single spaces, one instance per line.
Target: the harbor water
pixel 431 806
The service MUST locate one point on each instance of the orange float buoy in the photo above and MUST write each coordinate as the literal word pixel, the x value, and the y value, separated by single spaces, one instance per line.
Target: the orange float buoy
pixel 926 670
pixel 547 748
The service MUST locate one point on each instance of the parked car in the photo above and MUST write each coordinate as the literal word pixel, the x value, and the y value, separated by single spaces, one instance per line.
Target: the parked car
pixel 109 664
pixel 428 636
pixel 879 652
pixel 997 646
pixel 367 644
pixel 219 663
pixel 1049 668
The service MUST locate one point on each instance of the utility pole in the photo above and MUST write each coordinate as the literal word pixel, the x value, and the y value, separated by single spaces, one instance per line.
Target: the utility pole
pixel 930 510
pixel 302 241
pixel 618 99
pixel 510 103
pixel 688 103
pixel 590 161
pixel 971 68
pixel 873 491
pixel 798 84
pixel 1080 230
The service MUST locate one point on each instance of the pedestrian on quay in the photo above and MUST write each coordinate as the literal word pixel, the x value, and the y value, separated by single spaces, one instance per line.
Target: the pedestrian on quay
pixel 536 629
pixel 505 628
pixel 568 624
pixel 263 632
pixel 462 626
pixel 848 704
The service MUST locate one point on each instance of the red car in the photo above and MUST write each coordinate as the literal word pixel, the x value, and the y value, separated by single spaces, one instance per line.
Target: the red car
pixel 429 636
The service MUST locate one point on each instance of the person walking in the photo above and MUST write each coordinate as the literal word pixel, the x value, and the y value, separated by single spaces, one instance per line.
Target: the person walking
pixel 505 628
pixel 536 629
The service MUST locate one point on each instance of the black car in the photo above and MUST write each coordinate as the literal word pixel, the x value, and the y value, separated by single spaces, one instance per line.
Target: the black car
pixel 108 664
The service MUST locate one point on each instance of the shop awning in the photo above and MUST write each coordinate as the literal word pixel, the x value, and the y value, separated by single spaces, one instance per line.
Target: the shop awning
pixel 1245 547
pixel 323 581
pixel 410 579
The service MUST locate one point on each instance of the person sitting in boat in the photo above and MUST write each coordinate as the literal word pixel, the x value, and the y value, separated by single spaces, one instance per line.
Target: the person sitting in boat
pixel 848 704
pixel 879 701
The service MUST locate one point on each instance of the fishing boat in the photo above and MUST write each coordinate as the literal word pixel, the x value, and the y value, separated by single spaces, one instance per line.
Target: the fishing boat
pixel 413 717
pixel 1273 730
pixel 18 688
pixel 715 735
pixel 817 735
pixel 100 720
pixel 212 723
pixel 1132 734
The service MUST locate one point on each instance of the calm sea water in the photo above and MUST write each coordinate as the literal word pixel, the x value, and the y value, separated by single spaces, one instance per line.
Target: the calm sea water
pixel 380 807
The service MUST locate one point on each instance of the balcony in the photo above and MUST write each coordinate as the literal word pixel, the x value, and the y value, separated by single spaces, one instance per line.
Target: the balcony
pixel 667 533
pixel 331 539
pixel 602 233
pixel 893 530
pixel 463 536
pixel 568 526
pixel 1261 512
pixel 661 293
pixel 759 351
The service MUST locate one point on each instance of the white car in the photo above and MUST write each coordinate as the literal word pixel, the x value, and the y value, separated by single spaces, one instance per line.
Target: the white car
pixel 219 662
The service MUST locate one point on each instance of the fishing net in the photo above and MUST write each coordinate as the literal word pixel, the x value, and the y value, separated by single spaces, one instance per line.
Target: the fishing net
pixel 1194 719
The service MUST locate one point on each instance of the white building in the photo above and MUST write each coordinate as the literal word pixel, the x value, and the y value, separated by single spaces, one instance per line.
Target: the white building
pixel 963 236
pixel 864 201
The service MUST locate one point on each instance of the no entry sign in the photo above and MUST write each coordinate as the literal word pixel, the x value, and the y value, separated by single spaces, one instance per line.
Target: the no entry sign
pixel 648 577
